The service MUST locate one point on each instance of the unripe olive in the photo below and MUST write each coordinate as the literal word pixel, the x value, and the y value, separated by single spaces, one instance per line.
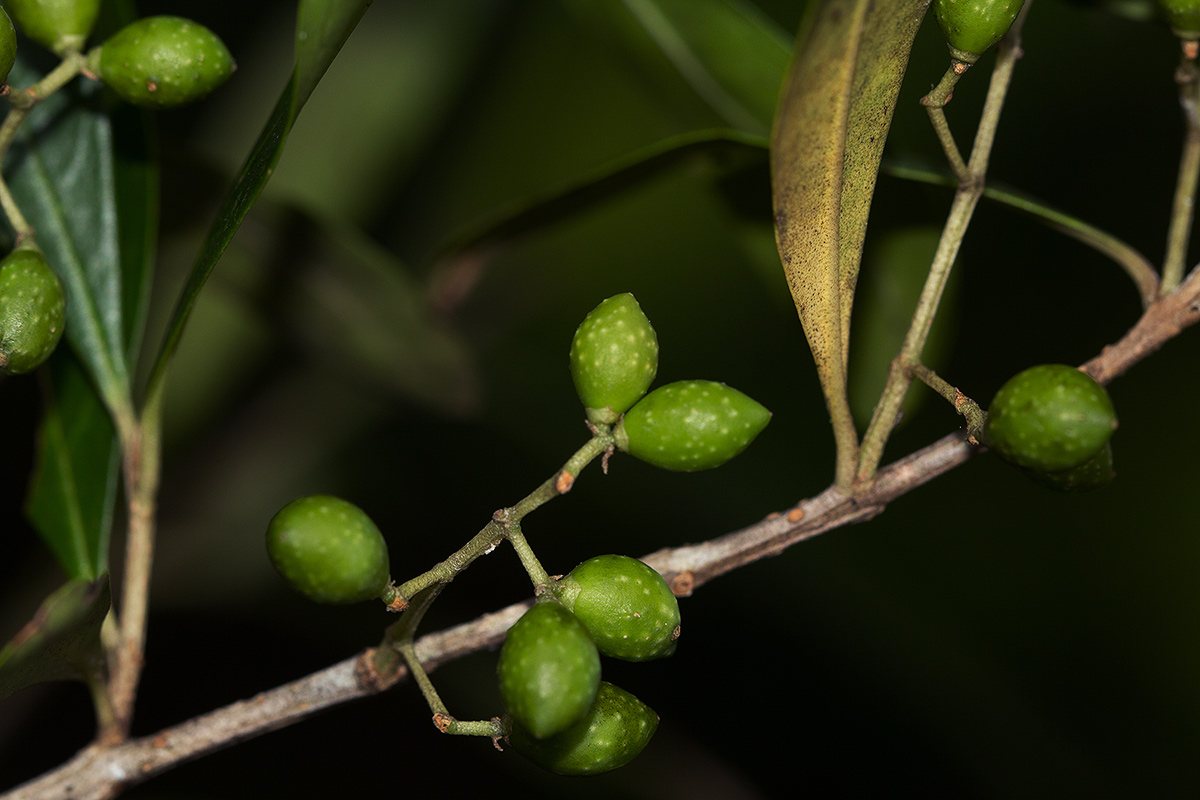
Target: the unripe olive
pixel 626 605
pixel 1050 418
pixel 972 26
pixel 614 730
pixel 549 670
pixel 32 311
pixel 690 425
pixel 60 25
pixel 1183 16
pixel 162 62
pixel 614 357
pixel 329 550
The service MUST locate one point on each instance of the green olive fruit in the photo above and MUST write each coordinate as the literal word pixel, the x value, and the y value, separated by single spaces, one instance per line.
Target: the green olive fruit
pixel 61 25
pixel 328 550
pixel 8 45
pixel 614 357
pixel 162 62
pixel 1095 473
pixel 628 608
pixel 616 728
pixel 972 26
pixel 32 311
pixel 549 670
pixel 1050 418
pixel 1183 16
pixel 690 425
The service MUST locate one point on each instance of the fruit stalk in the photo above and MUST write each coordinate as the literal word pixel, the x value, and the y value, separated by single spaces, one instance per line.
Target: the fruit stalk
pixel 935 103
pixel 1183 208
pixel 490 536
pixel 887 412
pixel 964 405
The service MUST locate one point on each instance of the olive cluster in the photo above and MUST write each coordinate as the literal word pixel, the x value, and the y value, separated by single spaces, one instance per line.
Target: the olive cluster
pixel 560 714
pixel 155 62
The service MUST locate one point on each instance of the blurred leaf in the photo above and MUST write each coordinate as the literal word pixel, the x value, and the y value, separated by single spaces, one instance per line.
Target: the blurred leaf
pixel 362 308
pixel 894 273
pixel 74 485
pixel 588 191
pixel 62 641
pixel 730 53
pixel 322 27
pixel 832 122
pixel 60 170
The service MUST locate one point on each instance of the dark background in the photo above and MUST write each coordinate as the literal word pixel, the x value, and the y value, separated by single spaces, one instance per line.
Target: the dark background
pixel 982 638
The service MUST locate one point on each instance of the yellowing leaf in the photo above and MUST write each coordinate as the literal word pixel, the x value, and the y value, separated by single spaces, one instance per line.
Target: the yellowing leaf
pixel 828 138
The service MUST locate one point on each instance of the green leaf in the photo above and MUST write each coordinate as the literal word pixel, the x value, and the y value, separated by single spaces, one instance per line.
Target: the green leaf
pixel 62 641
pixel 60 171
pixel 322 27
pixel 731 54
pixel 830 128
pixel 74 485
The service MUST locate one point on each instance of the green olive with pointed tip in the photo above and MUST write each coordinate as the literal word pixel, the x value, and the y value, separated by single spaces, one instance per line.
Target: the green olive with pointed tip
pixel 615 729
pixel 972 26
pixel 549 670
pixel 614 358
pixel 690 425
pixel 1050 418
pixel 626 605
pixel 61 25
pixel 329 550
pixel 32 311
pixel 162 62
pixel 1183 17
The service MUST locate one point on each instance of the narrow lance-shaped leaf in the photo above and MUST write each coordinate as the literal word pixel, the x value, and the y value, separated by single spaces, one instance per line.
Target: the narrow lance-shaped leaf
pixel 833 118
pixel 322 27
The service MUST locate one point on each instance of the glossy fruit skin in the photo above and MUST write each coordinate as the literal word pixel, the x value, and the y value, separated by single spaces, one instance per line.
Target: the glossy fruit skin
pixel 549 670
pixel 614 358
pixel 60 25
pixel 162 62
pixel 1183 16
pixel 972 26
pixel 1095 473
pixel 615 729
pixel 626 605
pixel 8 45
pixel 690 425
pixel 329 550
pixel 1050 418
pixel 32 311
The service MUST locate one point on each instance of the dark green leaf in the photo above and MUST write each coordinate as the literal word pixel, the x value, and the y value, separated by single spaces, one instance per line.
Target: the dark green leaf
pixel 61 642
pixel 730 54
pixel 322 27
pixel 61 173
pixel 75 483
pixel 604 183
